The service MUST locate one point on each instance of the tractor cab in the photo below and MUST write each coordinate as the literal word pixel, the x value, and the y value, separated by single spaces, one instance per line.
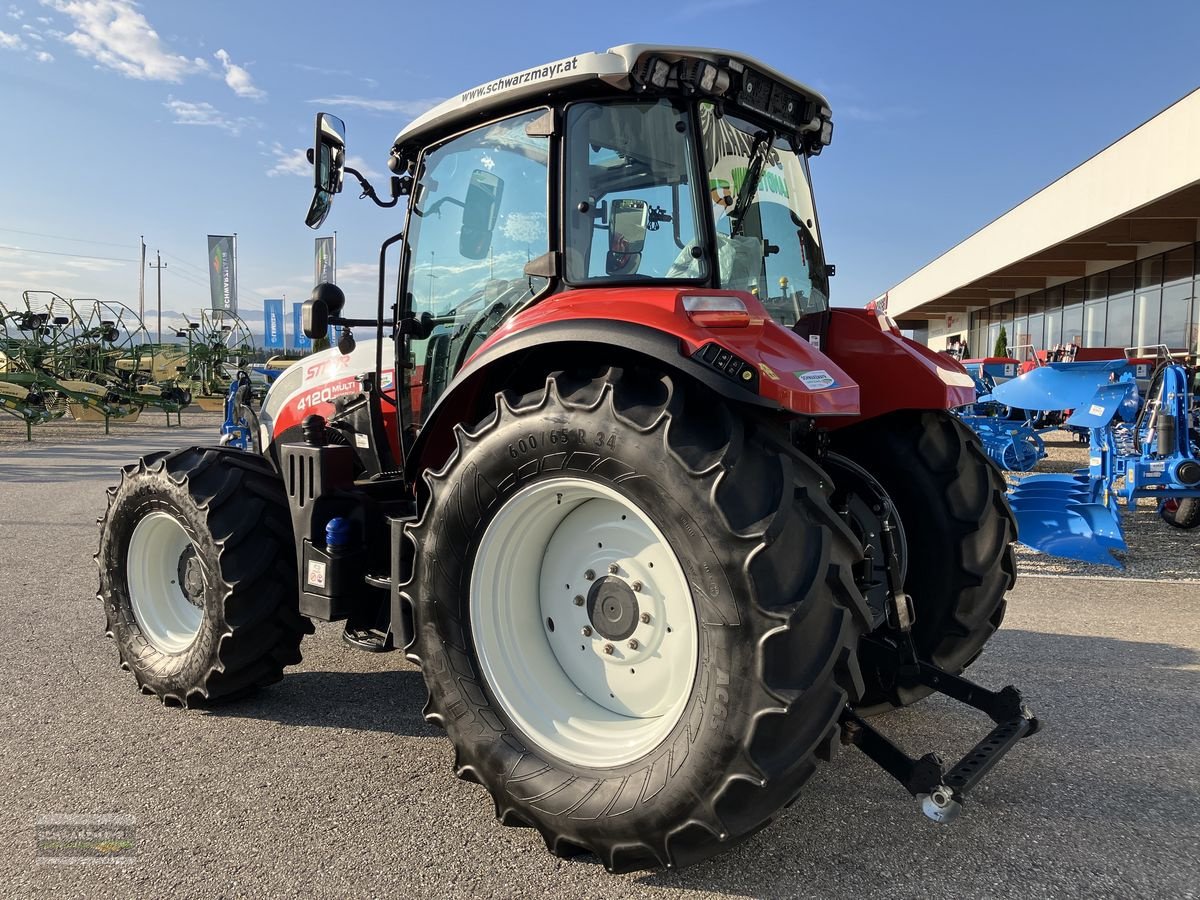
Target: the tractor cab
pixel 644 167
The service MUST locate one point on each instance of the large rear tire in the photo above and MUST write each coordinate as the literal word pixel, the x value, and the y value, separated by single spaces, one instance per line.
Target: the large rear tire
pixel 198 575
pixel 958 532
pixel 636 617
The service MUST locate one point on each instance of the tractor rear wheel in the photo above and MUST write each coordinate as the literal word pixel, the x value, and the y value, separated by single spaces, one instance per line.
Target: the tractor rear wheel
pixel 957 532
pixel 636 616
pixel 198 575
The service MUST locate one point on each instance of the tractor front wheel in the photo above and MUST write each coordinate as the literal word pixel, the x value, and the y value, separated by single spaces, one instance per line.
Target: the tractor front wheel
pixel 636 617
pixel 198 575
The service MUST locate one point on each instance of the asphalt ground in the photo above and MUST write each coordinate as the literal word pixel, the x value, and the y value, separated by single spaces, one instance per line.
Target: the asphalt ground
pixel 329 784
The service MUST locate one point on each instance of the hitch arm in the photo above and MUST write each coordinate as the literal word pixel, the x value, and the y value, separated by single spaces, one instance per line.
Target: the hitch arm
pixel 941 790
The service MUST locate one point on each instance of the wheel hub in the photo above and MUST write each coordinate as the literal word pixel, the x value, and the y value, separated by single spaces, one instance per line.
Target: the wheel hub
pixel 613 608
pixel 191 577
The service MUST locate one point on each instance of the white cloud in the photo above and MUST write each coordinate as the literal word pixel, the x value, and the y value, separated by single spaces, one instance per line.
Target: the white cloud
pixel 239 79
pixel 11 41
pixel 16 13
pixel 288 162
pixel 205 114
pixel 368 272
pixel 116 35
pixel 43 57
pixel 362 167
pixel 374 104
pixel 294 161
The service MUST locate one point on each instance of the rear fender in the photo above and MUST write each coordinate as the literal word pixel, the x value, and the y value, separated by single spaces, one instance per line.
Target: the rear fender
pixel 893 371
pixel 768 366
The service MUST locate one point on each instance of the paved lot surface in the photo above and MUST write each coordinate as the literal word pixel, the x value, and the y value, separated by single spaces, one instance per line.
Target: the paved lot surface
pixel 329 784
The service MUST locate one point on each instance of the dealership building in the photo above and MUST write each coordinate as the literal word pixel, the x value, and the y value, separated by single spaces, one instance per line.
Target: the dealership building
pixel 1106 256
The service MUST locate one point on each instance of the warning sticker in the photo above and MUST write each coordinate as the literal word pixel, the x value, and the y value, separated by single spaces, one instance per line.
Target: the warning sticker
pixel 361 440
pixel 1096 409
pixel 816 380
pixel 316 573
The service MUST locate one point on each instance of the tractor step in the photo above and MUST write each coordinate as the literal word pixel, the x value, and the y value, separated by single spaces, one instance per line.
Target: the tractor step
pixel 370 640
pixel 941 791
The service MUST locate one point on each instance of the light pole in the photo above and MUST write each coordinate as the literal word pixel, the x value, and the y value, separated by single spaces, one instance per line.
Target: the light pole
pixel 159 265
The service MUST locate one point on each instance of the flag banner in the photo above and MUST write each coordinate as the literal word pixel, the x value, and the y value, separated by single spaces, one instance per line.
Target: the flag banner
pixel 303 341
pixel 273 324
pixel 222 276
pixel 325 264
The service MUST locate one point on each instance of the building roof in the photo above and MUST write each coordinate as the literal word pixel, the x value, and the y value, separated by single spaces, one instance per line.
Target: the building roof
pixel 1139 195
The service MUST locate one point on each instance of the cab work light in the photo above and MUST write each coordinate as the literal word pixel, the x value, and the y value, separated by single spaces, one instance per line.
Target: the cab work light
pixel 716 312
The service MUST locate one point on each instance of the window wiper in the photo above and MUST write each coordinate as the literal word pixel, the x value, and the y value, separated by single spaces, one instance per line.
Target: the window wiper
pixel 759 151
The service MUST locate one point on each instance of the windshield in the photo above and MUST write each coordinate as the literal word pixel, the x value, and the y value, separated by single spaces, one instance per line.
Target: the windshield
pixel 767 238
pixel 630 210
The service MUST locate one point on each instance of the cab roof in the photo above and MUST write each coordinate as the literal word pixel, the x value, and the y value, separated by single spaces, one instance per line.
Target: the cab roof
pixel 618 67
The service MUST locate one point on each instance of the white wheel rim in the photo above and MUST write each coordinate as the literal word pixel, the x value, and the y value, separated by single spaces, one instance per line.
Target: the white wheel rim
pixel 157 569
pixel 559 685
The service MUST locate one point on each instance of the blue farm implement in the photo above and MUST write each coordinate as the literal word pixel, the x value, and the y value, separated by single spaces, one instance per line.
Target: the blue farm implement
pixel 1151 451
pixel 1013 445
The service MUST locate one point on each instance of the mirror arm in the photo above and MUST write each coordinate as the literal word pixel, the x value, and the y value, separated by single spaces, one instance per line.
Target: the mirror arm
pixel 400 186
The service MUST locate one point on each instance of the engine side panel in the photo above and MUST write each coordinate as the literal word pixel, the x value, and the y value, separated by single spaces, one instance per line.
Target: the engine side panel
pixel 311 386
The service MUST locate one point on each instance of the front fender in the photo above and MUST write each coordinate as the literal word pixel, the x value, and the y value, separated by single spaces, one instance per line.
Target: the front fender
pixel 893 371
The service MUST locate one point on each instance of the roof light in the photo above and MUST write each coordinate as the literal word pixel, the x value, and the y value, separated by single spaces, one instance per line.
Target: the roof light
pixel 710 311
pixel 703 76
pixel 660 71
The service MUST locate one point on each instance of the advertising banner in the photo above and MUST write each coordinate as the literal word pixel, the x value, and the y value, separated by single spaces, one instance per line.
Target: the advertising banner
pixel 302 341
pixel 222 272
pixel 325 260
pixel 273 330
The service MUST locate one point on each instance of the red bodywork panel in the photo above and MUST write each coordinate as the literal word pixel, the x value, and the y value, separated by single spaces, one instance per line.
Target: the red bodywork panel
pixel 792 372
pixel 893 372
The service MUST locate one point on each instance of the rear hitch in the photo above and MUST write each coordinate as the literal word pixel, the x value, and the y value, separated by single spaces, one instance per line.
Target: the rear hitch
pixel 939 790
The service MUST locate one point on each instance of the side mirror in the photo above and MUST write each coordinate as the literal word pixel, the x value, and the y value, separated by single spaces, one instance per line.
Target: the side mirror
pixel 327 300
pixel 480 212
pixel 628 221
pixel 328 157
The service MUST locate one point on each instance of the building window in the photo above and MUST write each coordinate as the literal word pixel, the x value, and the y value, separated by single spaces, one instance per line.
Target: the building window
pixel 1093 323
pixel 1053 334
pixel 1177 294
pixel 1146 302
pixel 1072 329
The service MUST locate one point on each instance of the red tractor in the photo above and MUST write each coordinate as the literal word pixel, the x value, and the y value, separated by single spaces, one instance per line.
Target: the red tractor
pixel 660 528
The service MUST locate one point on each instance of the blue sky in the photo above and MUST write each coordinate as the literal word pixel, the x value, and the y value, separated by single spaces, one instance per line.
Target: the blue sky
pixel 175 120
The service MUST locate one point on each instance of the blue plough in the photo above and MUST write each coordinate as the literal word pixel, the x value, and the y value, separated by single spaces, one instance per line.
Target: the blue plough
pixel 1154 452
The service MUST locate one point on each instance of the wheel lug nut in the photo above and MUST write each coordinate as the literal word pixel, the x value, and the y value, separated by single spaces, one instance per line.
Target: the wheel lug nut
pixel 633 644
pixel 609 649
pixel 613 568
pixel 589 575
pixel 645 618
pixel 579 599
pixel 586 631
